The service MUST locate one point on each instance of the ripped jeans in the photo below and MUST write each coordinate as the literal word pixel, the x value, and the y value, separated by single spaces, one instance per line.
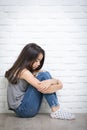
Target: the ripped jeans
pixel 33 98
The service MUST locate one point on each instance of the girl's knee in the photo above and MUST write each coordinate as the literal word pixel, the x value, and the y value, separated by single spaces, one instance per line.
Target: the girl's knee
pixel 47 74
pixel 44 74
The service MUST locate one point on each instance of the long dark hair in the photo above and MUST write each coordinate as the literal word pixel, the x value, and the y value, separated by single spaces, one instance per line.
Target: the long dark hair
pixel 25 60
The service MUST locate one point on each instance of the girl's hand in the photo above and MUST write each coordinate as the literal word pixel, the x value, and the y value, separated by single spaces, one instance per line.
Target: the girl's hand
pixel 46 84
pixel 52 88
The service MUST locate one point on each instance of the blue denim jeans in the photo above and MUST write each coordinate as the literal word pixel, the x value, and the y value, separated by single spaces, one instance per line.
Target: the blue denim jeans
pixel 32 100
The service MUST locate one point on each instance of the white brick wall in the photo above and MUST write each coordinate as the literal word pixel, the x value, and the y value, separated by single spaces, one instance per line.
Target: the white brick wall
pixel 60 27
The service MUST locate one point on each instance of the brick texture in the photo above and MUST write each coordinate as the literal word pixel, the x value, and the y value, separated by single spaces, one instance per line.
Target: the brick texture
pixel 60 27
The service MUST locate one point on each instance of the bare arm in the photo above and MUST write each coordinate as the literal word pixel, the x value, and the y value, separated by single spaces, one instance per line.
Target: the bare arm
pixel 30 78
pixel 53 88
pixel 45 86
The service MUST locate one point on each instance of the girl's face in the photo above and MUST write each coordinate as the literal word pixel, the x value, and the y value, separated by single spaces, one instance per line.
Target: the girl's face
pixel 37 62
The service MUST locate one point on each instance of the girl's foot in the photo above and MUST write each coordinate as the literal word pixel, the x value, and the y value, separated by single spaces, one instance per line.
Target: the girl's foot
pixel 60 114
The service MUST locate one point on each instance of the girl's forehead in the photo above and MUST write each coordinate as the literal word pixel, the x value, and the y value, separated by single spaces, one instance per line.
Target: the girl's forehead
pixel 40 56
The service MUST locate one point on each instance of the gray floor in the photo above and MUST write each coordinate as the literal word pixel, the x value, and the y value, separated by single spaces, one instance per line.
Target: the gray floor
pixel 42 122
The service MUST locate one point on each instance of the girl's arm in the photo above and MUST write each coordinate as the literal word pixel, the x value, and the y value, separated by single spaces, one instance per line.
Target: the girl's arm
pixel 30 78
pixel 40 85
pixel 53 88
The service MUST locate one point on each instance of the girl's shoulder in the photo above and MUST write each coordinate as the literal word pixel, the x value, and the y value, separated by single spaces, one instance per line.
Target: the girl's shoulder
pixel 22 72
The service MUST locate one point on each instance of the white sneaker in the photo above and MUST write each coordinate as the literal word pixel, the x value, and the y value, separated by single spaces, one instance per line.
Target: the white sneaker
pixel 60 114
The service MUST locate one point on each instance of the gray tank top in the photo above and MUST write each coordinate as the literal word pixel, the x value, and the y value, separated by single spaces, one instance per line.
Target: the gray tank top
pixel 15 93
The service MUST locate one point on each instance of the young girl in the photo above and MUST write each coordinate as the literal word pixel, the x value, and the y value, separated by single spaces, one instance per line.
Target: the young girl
pixel 27 84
